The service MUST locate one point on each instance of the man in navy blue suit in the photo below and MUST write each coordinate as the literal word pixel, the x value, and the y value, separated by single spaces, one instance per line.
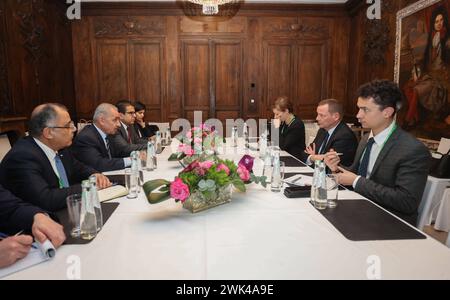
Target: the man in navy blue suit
pixel 333 134
pixel 16 216
pixel 39 169
pixel 92 145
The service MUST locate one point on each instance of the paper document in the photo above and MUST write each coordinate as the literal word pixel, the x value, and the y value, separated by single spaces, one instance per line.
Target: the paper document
pixel 300 180
pixel 112 192
pixel 38 254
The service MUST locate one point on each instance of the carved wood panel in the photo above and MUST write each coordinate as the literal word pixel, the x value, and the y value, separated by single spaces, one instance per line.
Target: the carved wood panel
pixel 129 26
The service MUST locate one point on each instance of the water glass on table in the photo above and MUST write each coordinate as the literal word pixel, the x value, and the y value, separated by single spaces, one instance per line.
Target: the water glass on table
pixel 131 181
pixel 74 210
pixel 332 190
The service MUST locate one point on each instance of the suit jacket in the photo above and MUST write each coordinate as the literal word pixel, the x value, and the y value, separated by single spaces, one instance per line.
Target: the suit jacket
pixel 15 214
pixel 343 140
pixel 398 176
pixel 292 138
pixel 28 174
pixel 147 131
pixel 89 148
pixel 119 142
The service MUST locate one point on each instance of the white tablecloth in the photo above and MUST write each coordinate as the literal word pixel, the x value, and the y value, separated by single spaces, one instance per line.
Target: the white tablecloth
pixel 259 235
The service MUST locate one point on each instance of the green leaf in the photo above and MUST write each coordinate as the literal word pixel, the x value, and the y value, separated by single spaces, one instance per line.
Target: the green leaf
pixel 239 185
pixel 176 156
pixel 153 185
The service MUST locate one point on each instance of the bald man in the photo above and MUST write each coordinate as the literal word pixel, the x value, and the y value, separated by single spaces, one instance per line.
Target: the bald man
pixel 39 169
pixel 92 145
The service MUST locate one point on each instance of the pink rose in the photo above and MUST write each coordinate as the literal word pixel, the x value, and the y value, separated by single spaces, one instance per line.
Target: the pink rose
pixel 179 190
pixel 188 150
pixel 189 134
pixel 223 167
pixel 197 140
pixel 206 164
pixel 244 174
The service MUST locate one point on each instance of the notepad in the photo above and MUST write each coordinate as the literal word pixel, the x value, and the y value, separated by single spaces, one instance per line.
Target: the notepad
pixel 299 180
pixel 38 254
pixel 112 192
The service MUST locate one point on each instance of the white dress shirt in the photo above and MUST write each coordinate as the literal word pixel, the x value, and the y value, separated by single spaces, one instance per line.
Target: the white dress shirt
pixel 379 141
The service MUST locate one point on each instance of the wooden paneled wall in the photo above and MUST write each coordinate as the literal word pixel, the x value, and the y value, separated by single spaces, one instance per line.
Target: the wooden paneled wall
pixel 227 69
pixel 175 65
pixel 35 56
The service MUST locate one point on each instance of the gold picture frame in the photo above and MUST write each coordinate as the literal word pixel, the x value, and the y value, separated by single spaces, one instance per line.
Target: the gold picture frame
pixel 422 67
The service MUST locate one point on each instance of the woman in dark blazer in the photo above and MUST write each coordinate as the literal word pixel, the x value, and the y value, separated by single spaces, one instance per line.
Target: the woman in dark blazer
pixel 292 129
pixel 143 129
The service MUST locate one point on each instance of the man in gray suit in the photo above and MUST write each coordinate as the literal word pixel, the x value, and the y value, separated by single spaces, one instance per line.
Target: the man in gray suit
pixel 390 166
pixel 126 140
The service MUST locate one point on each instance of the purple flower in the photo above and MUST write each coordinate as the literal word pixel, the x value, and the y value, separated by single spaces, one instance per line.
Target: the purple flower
pixel 247 162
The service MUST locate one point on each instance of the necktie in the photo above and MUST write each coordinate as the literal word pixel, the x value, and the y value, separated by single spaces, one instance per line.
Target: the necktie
pixel 324 144
pixel 107 147
pixel 129 134
pixel 362 170
pixel 63 181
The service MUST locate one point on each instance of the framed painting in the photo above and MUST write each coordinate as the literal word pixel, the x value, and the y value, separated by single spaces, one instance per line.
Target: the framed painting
pixel 422 67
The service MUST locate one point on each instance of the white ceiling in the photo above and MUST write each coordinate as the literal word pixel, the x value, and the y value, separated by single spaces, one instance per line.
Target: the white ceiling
pixel 250 1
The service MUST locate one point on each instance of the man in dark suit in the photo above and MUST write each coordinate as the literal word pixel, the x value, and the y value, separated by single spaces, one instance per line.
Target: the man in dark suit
pixel 39 169
pixel 16 216
pixel 333 134
pixel 127 140
pixel 92 145
pixel 390 166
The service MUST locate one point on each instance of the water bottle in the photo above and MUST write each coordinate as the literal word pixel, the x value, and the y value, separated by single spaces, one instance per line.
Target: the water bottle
pixel 158 142
pixel 275 185
pixel 149 165
pixel 168 136
pixel 314 181
pixel 246 136
pixel 234 136
pixel 88 221
pixel 134 176
pixel 96 201
pixel 263 145
pixel 320 193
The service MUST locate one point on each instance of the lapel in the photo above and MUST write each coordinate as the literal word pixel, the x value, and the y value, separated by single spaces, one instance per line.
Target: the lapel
pixel 48 169
pixel 359 152
pixel 100 140
pixel 387 147
pixel 123 132
pixel 319 138
pixel 333 136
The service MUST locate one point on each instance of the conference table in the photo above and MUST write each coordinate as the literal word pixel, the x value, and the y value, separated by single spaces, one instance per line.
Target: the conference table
pixel 258 235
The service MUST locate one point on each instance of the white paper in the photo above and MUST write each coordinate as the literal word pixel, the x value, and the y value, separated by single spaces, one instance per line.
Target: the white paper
pixel 38 254
pixel 300 180
pixel 444 146
pixel 112 192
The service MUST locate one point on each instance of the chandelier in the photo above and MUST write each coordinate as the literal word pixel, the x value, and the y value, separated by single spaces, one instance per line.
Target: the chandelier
pixel 210 7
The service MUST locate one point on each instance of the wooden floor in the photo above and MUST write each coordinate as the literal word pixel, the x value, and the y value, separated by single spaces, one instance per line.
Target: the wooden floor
pixel 441 236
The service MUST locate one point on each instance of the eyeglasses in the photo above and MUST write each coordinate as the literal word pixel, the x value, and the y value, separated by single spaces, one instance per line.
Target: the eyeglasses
pixel 70 126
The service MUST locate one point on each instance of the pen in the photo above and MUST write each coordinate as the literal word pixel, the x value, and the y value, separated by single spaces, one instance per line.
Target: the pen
pixel 4 236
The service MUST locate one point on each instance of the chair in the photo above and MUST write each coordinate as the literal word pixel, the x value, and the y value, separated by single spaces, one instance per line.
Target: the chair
pixel 431 199
pixel 311 129
pixel 162 126
pixel 444 146
pixel 81 124
pixel 5 145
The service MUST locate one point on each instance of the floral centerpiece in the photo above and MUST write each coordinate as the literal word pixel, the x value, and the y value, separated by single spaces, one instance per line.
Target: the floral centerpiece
pixel 204 184
pixel 197 141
